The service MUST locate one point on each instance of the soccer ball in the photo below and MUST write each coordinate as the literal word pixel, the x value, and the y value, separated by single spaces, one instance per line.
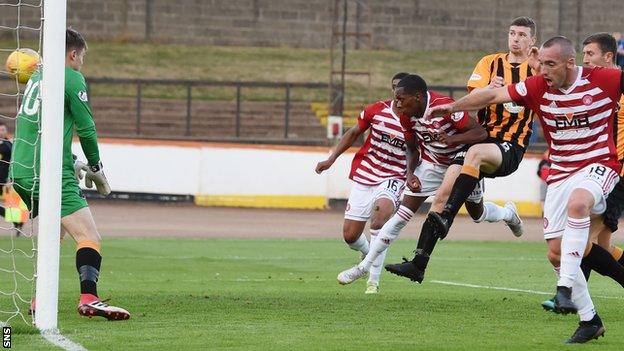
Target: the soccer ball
pixel 22 63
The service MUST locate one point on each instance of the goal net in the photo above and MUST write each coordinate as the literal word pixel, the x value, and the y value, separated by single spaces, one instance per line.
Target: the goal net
pixel 28 258
pixel 20 27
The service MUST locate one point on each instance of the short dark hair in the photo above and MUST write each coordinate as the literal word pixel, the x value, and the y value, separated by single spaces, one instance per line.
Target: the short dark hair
pixel 400 75
pixel 74 41
pixel 605 41
pixel 413 84
pixel 2 124
pixel 525 22
pixel 565 43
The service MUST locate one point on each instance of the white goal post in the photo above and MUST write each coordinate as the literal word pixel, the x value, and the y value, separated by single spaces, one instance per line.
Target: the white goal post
pixel 52 111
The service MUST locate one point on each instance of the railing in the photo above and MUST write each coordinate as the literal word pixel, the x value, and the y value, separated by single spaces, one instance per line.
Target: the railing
pixel 190 84
pixel 186 94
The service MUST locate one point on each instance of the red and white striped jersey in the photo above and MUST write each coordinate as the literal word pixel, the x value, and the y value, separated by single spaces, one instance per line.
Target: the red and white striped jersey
pixel 577 122
pixel 382 156
pixel 427 131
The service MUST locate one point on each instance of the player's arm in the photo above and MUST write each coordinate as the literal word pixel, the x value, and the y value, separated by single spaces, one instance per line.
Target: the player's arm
pixel 473 101
pixel 345 143
pixel 80 108
pixel 471 133
pixel 412 153
pixel 76 94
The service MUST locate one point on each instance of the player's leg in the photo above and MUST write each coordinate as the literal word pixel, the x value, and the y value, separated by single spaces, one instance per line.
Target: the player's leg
pixel 430 177
pixel 495 159
pixel 387 198
pixel 487 211
pixel 611 217
pixel 352 233
pixel 604 240
pixel 415 269
pixel 589 188
pixel 77 221
pixel 357 213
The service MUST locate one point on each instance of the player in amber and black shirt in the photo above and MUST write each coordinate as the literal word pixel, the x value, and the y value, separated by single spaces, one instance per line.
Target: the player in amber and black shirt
pixel 509 129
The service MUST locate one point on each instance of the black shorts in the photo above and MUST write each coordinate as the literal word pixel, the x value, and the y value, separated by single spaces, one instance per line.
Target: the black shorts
pixel 615 206
pixel 512 156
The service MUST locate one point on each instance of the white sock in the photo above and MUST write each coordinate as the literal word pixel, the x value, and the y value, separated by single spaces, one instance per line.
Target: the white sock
pixel 494 213
pixel 387 234
pixel 361 244
pixel 375 269
pixel 572 248
pixel 581 298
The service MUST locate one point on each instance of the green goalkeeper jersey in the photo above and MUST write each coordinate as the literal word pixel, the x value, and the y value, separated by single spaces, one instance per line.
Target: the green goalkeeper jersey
pixel 77 116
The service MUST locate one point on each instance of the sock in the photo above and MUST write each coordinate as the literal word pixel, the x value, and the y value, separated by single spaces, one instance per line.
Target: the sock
pixel 361 244
pixel 386 235
pixel 494 213
pixel 88 261
pixel 601 261
pixel 573 244
pixel 618 255
pixel 427 239
pixel 463 187
pixel 426 243
pixel 375 269
pixel 581 298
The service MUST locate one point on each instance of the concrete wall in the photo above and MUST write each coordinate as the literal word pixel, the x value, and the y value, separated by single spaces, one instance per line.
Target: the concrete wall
pixel 261 176
pixel 394 24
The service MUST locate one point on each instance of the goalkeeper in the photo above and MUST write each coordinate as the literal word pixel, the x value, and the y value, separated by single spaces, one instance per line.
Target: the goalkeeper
pixel 76 218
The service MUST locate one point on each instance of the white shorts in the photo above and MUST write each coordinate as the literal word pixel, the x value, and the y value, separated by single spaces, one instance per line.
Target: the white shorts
pixel 431 175
pixel 363 197
pixel 595 178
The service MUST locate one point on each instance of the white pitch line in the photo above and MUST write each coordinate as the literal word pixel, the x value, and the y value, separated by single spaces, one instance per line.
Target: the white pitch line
pixel 535 292
pixel 55 337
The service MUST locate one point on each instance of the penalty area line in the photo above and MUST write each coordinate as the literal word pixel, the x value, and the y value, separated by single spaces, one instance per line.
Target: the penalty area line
pixel 56 338
pixel 526 291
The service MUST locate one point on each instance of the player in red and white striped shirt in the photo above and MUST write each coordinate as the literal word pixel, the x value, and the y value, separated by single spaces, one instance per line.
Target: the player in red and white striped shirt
pixel 576 107
pixel 442 141
pixel 378 173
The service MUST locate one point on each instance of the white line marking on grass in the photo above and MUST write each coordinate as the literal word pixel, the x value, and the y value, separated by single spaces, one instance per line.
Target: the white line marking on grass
pixel 535 292
pixel 55 337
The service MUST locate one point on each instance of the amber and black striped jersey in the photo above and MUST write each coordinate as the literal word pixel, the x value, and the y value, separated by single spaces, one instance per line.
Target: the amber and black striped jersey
pixel 618 131
pixel 505 122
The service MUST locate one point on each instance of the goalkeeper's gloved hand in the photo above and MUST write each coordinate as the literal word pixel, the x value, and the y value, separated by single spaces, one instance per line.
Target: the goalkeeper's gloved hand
pixel 96 175
pixel 79 167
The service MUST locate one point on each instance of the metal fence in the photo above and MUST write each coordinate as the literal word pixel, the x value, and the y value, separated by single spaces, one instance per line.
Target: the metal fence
pixel 189 85
pixel 138 87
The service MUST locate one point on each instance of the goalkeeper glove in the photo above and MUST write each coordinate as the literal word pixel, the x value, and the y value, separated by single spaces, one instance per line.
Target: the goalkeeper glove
pixel 79 167
pixel 96 175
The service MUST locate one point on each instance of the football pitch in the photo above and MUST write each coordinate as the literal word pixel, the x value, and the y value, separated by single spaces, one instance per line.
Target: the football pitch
pixel 282 294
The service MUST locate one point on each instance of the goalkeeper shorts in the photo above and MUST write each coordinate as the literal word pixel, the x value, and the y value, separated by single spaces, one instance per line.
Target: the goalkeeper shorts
pixel 72 198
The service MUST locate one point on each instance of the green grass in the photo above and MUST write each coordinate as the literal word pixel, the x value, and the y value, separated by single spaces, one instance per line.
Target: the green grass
pixel 142 60
pixel 193 294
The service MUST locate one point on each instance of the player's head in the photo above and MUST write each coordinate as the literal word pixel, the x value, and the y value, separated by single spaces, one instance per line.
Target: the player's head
pixel 410 95
pixel 522 35
pixel 599 49
pixel 397 78
pixel 557 59
pixel 3 131
pixel 75 49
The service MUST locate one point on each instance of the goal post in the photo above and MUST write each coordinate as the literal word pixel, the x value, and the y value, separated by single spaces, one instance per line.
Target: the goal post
pixel 52 111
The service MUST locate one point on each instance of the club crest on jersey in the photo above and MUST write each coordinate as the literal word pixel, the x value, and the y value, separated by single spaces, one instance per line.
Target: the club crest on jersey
pixel 82 95
pixel 587 100
pixel 457 116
